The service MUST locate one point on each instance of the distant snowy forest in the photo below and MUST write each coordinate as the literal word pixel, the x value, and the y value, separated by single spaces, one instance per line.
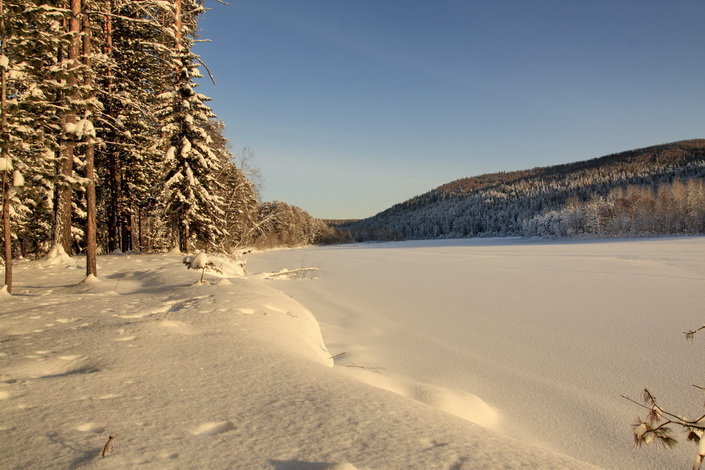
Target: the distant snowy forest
pixel 650 191
pixel 670 208
pixel 106 142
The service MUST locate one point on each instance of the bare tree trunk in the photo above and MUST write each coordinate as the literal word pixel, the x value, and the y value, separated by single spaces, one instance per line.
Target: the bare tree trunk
pixel 184 236
pixel 113 171
pixel 139 229
pixel 150 234
pixel 5 154
pixel 91 245
pixel 126 229
pixel 6 233
pixel 62 226
pixel 62 230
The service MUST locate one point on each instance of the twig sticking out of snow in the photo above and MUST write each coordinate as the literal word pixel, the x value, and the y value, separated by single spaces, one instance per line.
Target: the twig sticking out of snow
pixel 690 334
pixel 376 370
pixel 656 425
pixel 108 447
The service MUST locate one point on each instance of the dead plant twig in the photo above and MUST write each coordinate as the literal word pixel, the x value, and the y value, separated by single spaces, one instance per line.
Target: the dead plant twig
pixel 108 447
pixel 376 370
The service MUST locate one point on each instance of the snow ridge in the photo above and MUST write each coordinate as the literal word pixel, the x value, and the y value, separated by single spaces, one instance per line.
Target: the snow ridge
pixel 218 375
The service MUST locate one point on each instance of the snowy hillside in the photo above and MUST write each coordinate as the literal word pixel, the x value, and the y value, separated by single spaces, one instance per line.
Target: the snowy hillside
pixel 534 339
pixel 230 373
pixel 500 204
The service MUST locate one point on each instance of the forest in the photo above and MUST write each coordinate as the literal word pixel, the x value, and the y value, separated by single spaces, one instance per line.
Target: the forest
pixel 649 191
pixel 676 208
pixel 106 143
pixel 108 146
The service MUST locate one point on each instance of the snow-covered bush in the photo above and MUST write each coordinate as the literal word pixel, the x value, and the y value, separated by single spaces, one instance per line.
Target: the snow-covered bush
pixel 200 261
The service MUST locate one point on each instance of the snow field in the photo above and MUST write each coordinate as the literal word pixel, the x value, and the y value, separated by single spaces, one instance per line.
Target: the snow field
pixel 536 340
pixel 220 375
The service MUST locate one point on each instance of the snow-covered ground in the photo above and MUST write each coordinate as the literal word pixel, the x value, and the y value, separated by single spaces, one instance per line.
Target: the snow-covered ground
pixel 233 373
pixel 536 340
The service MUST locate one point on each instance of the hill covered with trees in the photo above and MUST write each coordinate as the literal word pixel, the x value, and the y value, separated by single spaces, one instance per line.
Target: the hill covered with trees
pixel 598 196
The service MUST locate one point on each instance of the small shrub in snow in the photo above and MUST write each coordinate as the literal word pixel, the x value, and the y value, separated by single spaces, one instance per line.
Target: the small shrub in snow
pixel 202 262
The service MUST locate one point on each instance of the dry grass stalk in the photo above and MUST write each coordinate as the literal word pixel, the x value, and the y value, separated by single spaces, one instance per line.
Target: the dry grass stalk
pixel 108 447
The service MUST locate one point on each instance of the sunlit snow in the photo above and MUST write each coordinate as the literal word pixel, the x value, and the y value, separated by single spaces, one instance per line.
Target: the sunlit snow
pixel 534 339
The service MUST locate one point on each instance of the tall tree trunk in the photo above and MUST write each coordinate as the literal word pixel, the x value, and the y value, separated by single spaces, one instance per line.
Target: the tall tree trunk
pixel 6 233
pixel 185 236
pixel 182 231
pixel 113 221
pixel 62 225
pixel 178 24
pixel 5 154
pixel 62 230
pixel 139 229
pixel 91 245
pixel 126 229
pixel 114 170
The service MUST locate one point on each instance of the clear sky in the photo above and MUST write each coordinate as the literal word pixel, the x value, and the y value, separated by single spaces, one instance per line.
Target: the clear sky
pixel 351 106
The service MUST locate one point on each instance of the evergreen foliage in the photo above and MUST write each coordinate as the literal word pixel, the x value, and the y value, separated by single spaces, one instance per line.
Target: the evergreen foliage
pixel 114 80
pixel 524 202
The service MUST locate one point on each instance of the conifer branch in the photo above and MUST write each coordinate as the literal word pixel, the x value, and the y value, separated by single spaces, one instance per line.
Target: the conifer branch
pixel 207 69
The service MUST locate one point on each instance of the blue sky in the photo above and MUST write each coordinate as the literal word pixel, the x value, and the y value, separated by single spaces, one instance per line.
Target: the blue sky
pixel 351 106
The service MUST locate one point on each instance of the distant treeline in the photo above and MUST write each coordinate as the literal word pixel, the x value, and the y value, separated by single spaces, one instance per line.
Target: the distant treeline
pixel 518 203
pixel 672 208
pixel 282 224
pixel 336 222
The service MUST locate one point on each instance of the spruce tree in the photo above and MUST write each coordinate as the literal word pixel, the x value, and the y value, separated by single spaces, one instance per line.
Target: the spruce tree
pixel 35 42
pixel 134 45
pixel 190 194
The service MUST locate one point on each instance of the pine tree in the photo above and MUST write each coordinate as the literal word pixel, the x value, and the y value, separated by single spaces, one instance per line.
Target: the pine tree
pixel 110 84
pixel 62 226
pixel 27 113
pixel 191 203
pixel 133 42
pixel 36 78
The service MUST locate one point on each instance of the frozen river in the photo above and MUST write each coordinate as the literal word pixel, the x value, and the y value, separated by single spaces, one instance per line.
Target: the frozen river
pixel 533 339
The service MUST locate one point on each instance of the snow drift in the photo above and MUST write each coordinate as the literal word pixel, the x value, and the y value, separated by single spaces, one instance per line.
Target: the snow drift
pixel 221 375
pixel 534 339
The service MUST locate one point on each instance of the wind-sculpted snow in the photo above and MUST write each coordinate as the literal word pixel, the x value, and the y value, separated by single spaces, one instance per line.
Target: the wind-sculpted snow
pixel 206 376
pixel 534 339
